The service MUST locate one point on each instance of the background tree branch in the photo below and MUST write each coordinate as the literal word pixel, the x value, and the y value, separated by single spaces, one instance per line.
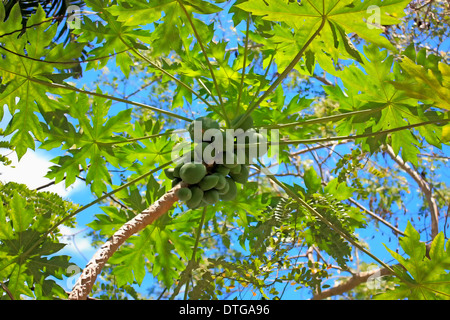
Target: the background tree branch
pixel 424 187
pixel 351 283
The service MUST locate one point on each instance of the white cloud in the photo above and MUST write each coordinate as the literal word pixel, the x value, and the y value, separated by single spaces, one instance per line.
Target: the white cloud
pixel 30 170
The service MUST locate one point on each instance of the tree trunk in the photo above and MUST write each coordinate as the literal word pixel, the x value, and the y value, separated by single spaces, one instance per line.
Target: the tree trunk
pixel 87 279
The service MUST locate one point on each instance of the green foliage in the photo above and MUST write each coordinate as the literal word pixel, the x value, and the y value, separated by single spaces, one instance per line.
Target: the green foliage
pixel 255 239
pixel 94 138
pixel 27 72
pixel 426 83
pixel 336 19
pixel 425 274
pixel 390 108
pixel 28 252
pixel 5 145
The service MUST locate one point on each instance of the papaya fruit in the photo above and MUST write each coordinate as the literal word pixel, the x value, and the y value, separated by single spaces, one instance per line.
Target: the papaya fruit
pixel 169 173
pixel 196 197
pixel 184 194
pixel 221 181
pixel 175 181
pixel 236 170
pixel 211 196
pixel 247 124
pixel 208 182
pixel 242 176
pixel 206 123
pixel 232 190
pixel 176 170
pixel 222 170
pixel 224 189
pixel 192 173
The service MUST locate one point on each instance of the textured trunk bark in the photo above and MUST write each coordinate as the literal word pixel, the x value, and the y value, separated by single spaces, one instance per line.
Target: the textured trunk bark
pixel 87 279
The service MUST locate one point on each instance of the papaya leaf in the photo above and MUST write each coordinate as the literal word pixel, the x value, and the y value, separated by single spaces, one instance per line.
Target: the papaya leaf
pixel 312 181
pixel 372 85
pixel 350 16
pixel 425 84
pixel 141 12
pixel 427 276
pixel 24 71
pixel 25 218
pixel 94 140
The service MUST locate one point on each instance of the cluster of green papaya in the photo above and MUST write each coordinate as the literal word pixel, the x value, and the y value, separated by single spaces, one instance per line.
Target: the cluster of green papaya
pixel 209 180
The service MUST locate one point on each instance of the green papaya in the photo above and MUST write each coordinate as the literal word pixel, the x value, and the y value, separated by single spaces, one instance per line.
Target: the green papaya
pixel 176 170
pixel 247 124
pixel 224 189
pixel 175 181
pixel 222 170
pixel 208 182
pixel 192 173
pixel 196 197
pixel 221 182
pixel 203 203
pixel 236 170
pixel 211 196
pixel 169 173
pixel 232 190
pixel 242 176
pixel 206 123
pixel 184 194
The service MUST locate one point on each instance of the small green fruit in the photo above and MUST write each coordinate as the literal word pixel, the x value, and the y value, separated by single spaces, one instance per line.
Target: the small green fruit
pixel 225 188
pixel 236 170
pixel 221 182
pixel 232 191
pixel 222 170
pixel 211 196
pixel 176 170
pixel 208 182
pixel 169 173
pixel 196 198
pixel 192 173
pixel 207 123
pixel 184 194
pixel 229 163
pixel 242 176
pixel 207 157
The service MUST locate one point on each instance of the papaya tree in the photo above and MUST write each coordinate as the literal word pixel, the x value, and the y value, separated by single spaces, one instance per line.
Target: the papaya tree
pixel 239 149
